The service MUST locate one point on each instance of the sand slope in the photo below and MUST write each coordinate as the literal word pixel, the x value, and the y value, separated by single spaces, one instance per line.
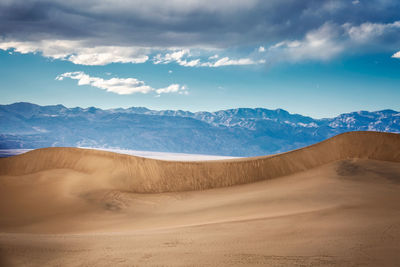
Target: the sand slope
pixel 144 175
pixel 336 203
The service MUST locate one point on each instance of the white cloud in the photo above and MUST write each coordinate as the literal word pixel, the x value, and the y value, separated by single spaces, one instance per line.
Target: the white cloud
pixel 355 2
pixel 261 49
pixel 330 40
pixel 175 56
pixel 79 52
pixel 226 61
pixel 319 44
pixel 367 31
pixel 121 86
pixel 114 85
pixel 190 63
pixel 178 56
pixel 396 55
pixel 183 58
pixel 173 88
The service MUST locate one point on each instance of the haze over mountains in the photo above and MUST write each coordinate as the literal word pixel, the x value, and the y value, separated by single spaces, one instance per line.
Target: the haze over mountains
pixel 234 132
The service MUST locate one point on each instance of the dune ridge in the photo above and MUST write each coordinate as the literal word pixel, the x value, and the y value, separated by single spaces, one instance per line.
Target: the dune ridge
pixel 143 175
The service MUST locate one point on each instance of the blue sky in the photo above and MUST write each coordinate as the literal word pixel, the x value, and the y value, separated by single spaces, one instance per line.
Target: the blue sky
pixel 319 58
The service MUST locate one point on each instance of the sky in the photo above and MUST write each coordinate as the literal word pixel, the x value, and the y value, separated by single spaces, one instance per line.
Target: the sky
pixel 317 58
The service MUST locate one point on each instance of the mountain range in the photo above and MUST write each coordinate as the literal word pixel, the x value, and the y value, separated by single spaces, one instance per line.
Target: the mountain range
pixel 233 132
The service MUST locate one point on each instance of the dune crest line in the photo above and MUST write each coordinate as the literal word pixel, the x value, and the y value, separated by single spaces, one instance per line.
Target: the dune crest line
pixel 144 175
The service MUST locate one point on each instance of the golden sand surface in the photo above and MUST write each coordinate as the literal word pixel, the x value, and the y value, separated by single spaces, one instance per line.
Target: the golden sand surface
pixel 335 203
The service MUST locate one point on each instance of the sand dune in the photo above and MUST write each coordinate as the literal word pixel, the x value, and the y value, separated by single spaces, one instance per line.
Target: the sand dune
pixel 336 203
pixel 144 175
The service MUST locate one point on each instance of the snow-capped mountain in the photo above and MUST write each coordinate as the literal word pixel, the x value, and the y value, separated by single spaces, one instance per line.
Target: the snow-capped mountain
pixel 234 132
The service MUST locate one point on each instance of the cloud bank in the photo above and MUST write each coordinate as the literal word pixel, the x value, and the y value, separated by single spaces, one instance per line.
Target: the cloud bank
pixel 100 32
pixel 330 40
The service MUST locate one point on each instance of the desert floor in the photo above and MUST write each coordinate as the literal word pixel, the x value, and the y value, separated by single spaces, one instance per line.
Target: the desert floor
pixel 346 213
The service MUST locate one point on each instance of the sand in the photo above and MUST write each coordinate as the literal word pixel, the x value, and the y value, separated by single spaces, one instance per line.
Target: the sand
pixel 336 203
